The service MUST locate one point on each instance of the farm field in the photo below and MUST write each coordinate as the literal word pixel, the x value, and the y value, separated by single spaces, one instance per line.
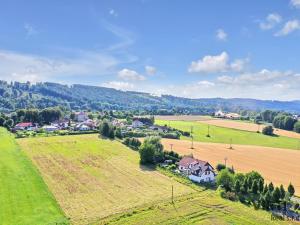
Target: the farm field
pixel 198 208
pixel 226 135
pixel 92 178
pixel 281 166
pixel 25 198
pixel 248 127
pixel 184 117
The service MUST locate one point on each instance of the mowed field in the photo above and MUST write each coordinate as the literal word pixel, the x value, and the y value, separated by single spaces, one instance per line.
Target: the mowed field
pixel 204 207
pixel 24 197
pixel 248 127
pixel 92 178
pixel 220 134
pixel 281 166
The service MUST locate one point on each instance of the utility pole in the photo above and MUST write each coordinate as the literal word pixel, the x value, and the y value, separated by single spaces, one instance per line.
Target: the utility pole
pixel 172 195
pixel 192 138
pixel 171 145
pixel 230 146
pixel 208 135
pixel 225 160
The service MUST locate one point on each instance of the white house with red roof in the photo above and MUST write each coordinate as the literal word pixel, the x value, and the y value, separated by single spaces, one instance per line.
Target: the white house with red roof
pixel 197 170
pixel 24 126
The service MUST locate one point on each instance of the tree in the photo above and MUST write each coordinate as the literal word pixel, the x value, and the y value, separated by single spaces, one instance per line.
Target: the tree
pixel 260 186
pixel 268 130
pixel 147 152
pixel 271 187
pixel 291 189
pixel 8 123
pixel 254 187
pixel 267 198
pixel 225 179
pixel 276 195
pixel 297 127
pixel 159 153
pixel 266 189
pixel 118 133
pixel 282 192
pixel 220 167
pixel 2 120
pixel 237 186
pixel 245 186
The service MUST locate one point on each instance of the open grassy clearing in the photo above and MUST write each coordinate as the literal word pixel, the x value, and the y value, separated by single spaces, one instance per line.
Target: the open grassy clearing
pixel 24 197
pixel 281 166
pixel 184 117
pixel 93 178
pixel 201 207
pixel 225 135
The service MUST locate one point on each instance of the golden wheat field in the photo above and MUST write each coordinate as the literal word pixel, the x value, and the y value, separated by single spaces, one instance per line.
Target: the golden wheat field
pixel 281 166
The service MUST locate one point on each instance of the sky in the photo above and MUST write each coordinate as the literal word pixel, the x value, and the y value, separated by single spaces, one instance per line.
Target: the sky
pixel 194 49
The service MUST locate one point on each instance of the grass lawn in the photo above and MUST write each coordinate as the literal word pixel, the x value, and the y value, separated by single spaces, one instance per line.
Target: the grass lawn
pixel 224 135
pixel 93 178
pixel 24 197
pixel 201 207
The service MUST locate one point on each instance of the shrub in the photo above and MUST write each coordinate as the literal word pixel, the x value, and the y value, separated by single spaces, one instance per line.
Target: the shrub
pixel 225 179
pixel 297 127
pixel 268 130
pixel 220 167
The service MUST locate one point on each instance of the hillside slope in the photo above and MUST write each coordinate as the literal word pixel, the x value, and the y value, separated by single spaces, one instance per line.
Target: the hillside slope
pixel 21 95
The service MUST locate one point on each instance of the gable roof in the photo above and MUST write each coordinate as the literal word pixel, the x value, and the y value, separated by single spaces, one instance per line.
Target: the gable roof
pixel 26 124
pixel 188 160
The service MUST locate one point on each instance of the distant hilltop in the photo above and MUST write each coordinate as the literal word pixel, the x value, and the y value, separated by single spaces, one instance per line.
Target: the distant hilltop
pixel 15 95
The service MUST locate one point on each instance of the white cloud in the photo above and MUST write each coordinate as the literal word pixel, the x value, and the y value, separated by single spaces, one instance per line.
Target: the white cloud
pixel 30 30
pixel 206 84
pixel 119 85
pixel 25 67
pixel 221 35
pixel 132 75
pixel 270 22
pixel 216 64
pixel 289 27
pixel 112 12
pixel 150 70
pixel 295 3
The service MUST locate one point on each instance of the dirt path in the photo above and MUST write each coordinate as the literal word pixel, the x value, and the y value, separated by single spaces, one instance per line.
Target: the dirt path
pixel 281 166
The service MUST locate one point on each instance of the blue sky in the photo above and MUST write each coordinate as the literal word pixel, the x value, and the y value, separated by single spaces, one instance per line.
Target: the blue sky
pixel 232 48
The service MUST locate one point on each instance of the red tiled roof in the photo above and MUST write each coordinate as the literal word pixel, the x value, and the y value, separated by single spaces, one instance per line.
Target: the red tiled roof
pixel 187 160
pixel 29 124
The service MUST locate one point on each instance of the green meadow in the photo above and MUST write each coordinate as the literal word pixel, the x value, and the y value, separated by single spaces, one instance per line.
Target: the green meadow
pixel 24 197
pixel 227 135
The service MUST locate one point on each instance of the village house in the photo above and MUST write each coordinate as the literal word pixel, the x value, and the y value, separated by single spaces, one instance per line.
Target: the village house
pixel 219 114
pixel 159 128
pixel 81 116
pixel 232 116
pixel 196 170
pixel 25 126
pixel 50 128
pixel 137 124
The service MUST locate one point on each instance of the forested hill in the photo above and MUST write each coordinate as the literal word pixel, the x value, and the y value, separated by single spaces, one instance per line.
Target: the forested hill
pixel 17 95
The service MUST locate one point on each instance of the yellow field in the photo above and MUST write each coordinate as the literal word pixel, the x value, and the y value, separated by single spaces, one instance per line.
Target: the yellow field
pixel 93 178
pixel 281 166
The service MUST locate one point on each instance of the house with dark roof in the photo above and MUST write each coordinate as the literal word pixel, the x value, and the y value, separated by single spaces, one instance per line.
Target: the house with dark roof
pixel 196 170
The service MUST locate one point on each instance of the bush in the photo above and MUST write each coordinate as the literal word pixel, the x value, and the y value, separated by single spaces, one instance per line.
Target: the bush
pixel 297 127
pixel 132 143
pixel 220 167
pixel 225 179
pixel 268 130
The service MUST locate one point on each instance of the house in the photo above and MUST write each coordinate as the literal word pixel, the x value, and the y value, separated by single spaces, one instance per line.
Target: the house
pixel 137 124
pixel 62 124
pixel 50 128
pixel 81 116
pixel 82 127
pixel 232 116
pixel 219 114
pixel 24 126
pixel 159 128
pixel 196 170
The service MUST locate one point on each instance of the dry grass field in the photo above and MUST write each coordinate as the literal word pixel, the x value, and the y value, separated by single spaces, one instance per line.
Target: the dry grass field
pixel 281 166
pixel 247 126
pixel 93 178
